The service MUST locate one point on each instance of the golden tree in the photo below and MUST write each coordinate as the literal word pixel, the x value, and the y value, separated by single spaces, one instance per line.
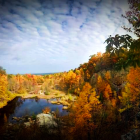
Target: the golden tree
pixel 3 86
pixel 82 112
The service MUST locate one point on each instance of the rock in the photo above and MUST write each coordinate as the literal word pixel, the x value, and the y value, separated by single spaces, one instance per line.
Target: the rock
pixel 46 119
pixel 54 114
pixel 65 108
pixel 16 118
pixel 26 118
pixel 54 102
pixel 9 124
pixel 132 135
pixel 64 103
pixel 27 124
pixel 29 119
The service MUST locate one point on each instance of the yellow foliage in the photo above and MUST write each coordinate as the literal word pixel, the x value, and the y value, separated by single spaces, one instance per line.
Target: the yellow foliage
pixel 86 103
pixel 104 87
pixel 132 90
pixel 3 86
pixel 107 75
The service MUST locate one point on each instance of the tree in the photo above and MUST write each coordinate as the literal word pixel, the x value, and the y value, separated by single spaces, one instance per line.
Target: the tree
pixel 133 16
pixel 3 87
pixel 133 79
pixel 103 88
pixel 2 71
pixel 133 58
pixel 86 104
pixel 117 44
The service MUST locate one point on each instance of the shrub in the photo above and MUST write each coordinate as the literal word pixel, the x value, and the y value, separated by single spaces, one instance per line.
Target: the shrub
pixel 46 93
pixel 46 110
pixel 33 116
pixel 70 97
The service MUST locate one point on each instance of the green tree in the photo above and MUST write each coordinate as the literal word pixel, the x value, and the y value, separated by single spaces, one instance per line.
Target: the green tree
pixel 117 44
pixel 2 71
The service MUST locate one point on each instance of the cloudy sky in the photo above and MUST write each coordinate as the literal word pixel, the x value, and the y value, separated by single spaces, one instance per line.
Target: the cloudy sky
pixel 40 36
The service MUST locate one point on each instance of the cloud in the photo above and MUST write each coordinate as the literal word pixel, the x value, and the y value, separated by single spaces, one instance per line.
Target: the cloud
pixel 55 35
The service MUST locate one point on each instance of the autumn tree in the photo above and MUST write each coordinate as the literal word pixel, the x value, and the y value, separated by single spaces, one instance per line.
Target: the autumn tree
pixel 2 71
pixel 3 87
pixel 133 17
pixel 86 104
pixel 103 88
pixel 133 83
pixel 72 81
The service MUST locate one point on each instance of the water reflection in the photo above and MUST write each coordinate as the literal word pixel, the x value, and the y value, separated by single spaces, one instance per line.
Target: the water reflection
pixel 20 107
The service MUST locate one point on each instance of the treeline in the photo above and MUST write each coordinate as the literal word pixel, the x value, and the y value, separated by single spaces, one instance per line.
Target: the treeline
pixel 108 86
pixel 13 85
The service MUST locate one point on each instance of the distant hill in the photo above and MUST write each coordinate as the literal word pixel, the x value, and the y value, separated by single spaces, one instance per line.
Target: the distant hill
pixel 43 73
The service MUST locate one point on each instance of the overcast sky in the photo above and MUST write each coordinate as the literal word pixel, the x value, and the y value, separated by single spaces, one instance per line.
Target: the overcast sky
pixel 42 36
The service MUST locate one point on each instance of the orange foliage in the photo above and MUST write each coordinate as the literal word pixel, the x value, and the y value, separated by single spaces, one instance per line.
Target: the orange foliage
pixel 46 110
pixel 133 85
pixel 5 118
pixel 103 87
pixel 82 109
pixel 72 81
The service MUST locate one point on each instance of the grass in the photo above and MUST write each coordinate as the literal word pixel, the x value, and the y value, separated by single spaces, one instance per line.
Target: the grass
pixel 11 96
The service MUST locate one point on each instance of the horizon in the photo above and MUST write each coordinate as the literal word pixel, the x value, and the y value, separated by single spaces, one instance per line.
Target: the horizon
pixel 35 73
pixel 39 36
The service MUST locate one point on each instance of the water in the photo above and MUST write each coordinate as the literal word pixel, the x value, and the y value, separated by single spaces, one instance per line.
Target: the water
pixel 20 107
pixel 44 73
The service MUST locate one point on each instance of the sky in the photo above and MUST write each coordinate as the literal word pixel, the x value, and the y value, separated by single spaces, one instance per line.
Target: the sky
pixel 44 36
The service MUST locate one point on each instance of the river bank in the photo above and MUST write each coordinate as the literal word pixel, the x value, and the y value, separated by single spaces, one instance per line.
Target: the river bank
pixel 64 99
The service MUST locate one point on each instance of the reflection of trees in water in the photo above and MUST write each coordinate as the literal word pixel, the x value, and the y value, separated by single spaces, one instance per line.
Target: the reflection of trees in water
pixel 47 100
pixel 37 99
pixel 10 108
pixel 26 112
pixel 20 101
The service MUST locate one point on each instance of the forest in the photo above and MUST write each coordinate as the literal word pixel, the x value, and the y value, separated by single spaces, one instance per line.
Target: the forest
pixel 102 95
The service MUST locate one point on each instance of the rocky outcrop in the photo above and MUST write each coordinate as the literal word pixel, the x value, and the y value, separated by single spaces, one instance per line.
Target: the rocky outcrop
pixel 27 124
pixel 46 119
pixel 17 119
pixel 138 116
pixel 135 133
pixel 65 108
pixel 132 135
pixel 42 119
